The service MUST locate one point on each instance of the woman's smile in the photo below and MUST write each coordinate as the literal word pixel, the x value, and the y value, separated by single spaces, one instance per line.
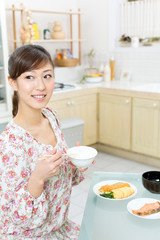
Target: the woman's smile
pixel 39 97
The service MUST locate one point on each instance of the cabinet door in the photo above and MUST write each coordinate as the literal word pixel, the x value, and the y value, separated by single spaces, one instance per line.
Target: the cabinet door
pixel 145 122
pixel 85 108
pixel 62 107
pixel 115 120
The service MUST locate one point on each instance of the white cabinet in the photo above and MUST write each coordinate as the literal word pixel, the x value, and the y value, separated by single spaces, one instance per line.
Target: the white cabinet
pixel 5 98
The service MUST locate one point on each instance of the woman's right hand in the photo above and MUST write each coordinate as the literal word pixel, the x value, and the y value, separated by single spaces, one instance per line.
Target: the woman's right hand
pixel 48 165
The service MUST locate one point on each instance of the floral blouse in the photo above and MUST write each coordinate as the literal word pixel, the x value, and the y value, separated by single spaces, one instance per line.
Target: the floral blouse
pixel 21 215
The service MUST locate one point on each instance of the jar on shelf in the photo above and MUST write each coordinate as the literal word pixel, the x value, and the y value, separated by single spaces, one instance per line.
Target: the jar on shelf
pixel 46 34
pixel 57 31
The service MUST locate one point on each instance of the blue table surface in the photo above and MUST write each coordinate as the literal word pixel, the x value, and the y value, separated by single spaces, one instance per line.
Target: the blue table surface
pixel 110 219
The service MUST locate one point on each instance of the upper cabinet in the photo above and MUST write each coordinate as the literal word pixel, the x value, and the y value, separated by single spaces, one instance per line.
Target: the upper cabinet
pixel 5 99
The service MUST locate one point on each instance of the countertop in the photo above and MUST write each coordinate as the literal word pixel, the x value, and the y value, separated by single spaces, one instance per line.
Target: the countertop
pixel 117 84
pixel 130 89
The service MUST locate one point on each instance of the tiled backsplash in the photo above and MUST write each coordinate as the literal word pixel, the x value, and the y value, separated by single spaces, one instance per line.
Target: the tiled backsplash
pixel 144 65
pixel 68 74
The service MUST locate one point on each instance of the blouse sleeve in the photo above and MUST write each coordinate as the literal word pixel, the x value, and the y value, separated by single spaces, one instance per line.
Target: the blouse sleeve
pixel 16 203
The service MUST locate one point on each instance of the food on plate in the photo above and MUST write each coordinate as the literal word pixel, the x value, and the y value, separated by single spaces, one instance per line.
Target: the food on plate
pixel 123 192
pixel 147 209
pixel 94 75
pixel 116 191
pixel 109 188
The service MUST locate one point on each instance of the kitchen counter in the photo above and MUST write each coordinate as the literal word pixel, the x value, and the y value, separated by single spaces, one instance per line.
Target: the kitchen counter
pixel 132 89
pixel 129 89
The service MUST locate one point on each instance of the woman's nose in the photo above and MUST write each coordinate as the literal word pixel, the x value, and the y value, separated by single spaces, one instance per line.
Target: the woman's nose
pixel 40 84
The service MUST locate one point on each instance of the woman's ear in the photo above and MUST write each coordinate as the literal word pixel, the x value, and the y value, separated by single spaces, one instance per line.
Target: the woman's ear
pixel 12 83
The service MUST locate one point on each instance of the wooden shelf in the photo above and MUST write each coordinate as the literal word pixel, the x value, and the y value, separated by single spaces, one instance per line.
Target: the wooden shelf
pixel 46 11
pixel 51 40
pixel 69 13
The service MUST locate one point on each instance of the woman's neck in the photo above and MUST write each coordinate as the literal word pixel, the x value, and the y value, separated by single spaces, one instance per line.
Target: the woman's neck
pixel 29 119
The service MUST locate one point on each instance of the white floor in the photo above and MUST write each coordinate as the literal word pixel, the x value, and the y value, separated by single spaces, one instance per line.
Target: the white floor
pixel 104 162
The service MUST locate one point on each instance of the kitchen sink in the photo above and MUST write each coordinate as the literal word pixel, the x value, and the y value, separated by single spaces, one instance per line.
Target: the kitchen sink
pixel 149 87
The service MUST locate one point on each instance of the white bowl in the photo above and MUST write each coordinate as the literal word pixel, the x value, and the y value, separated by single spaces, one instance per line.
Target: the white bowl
pixel 82 156
pixel 94 79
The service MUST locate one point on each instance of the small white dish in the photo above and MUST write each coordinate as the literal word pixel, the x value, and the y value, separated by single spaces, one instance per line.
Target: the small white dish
pixel 94 79
pixel 140 202
pixel 82 156
pixel 110 182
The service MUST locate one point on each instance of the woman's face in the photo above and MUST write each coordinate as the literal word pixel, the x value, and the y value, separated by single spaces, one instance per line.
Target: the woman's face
pixel 35 87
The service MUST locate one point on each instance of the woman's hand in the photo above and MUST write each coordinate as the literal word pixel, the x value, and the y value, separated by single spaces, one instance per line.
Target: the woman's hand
pixel 80 169
pixel 48 165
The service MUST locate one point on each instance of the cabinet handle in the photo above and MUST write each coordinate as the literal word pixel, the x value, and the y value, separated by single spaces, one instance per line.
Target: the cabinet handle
pixel 68 103
pixel 127 101
pixel 72 102
pixel 154 105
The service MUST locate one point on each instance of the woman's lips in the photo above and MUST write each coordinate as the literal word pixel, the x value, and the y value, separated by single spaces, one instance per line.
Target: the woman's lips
pixel 39 97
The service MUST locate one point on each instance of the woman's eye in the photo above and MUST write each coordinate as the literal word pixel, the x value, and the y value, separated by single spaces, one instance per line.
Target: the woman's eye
pixel 29 77
pixel 48 76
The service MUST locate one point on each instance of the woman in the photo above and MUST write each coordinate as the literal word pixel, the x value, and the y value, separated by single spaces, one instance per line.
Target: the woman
pixel 35 176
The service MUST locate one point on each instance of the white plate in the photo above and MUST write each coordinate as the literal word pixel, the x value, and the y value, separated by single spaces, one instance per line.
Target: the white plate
pixel 109 182
pixel 138 203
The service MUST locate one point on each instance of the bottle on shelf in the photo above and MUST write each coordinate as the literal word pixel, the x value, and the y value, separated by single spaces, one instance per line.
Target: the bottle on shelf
pixel 107 73
pixel 112 67
pixel 101 68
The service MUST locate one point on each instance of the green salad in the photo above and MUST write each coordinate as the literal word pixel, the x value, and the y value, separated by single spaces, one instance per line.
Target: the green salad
pixel 107 195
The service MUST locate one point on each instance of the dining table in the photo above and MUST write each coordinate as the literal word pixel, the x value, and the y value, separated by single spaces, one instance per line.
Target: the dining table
pixel 112 219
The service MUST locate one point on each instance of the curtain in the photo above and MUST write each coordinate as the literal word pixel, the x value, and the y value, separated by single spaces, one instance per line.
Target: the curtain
pixel 141 18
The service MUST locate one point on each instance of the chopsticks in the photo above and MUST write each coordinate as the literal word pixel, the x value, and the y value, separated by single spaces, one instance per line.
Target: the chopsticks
pixel 49 155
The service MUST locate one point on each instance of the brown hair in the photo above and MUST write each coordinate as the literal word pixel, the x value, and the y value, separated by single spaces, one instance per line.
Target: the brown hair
pixel 23 59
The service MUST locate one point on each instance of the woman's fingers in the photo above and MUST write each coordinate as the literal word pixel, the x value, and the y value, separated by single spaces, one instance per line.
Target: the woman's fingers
pixel 56 171
pixel 82 169
pixel 78 144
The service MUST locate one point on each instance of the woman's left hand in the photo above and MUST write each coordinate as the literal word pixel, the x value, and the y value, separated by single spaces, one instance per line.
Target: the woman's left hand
pixel 80 169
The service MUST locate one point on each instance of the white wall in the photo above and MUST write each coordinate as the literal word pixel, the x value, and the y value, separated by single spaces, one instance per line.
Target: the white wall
pixel 100 25
pixel 95 29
